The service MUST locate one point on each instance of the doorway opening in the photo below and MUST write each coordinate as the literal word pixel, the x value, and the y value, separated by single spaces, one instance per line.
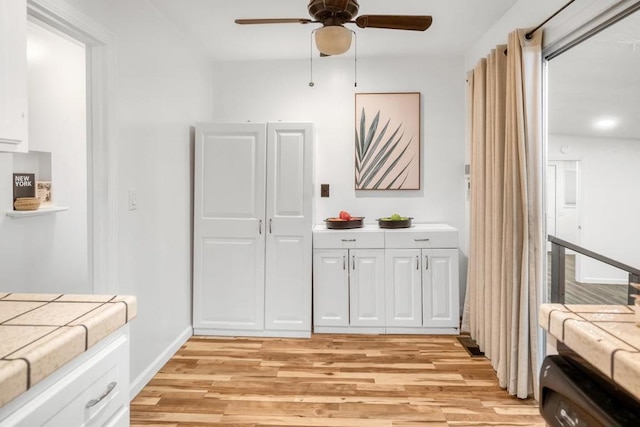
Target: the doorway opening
pixel 57 100
pixel 100 155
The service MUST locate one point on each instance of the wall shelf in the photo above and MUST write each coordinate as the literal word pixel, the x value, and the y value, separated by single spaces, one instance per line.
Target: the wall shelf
pixel 47 210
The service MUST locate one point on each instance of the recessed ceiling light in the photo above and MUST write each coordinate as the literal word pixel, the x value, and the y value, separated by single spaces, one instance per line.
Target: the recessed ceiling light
pixel 605 123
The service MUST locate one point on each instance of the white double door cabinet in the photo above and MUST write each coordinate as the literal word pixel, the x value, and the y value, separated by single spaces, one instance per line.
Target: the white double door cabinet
pixel 252 229
pixel 349 287
pixel 421 288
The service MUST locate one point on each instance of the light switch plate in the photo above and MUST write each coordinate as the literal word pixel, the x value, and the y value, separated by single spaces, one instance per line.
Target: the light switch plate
pixel 133 199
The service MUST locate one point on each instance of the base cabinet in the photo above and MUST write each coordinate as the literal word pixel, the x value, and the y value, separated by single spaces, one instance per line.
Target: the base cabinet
pixel 350 288
pixel 403 287
pixel 407 284
pixel 440 288
pixel 91 390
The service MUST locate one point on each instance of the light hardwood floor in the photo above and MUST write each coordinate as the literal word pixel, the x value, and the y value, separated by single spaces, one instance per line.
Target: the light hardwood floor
pixel 329 380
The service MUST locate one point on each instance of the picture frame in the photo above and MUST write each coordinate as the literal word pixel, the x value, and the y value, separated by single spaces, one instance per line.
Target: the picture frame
pixel 387 141
pixel 43 193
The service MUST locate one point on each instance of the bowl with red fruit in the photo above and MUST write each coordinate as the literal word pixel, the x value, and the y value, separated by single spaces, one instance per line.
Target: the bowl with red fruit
pixel 344 220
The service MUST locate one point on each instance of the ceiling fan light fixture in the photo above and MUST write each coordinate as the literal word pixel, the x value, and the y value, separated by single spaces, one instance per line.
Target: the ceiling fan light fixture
pixel 333 39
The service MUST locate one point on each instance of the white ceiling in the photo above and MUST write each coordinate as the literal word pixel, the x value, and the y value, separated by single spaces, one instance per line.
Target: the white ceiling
pixel 210 23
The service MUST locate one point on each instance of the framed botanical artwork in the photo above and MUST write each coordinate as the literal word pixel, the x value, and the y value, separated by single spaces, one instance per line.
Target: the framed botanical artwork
pixel 387 141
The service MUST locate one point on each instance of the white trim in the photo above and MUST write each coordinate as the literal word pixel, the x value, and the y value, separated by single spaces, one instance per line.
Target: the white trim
pixel 251 333
pixel 154 367
pixel 101 147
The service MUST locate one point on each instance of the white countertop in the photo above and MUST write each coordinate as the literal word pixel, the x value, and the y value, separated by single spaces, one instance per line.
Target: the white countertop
pixel 606 336
pixel 39 333
pixel 375 227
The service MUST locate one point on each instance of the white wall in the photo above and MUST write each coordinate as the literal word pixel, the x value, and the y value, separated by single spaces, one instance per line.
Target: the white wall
pixel 609 202
pixel 49 254
pixel 279 90
pixel 163 87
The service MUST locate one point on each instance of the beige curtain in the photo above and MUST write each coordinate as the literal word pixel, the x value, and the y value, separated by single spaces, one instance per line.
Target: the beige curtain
pixel 506 249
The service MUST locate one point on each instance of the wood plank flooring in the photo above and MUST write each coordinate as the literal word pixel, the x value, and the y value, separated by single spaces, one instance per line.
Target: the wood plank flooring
pixel 588 293
pixel 328 380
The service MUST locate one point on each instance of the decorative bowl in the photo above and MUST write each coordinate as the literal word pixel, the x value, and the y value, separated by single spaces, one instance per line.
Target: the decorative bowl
pixel 394 223
pixel 341 224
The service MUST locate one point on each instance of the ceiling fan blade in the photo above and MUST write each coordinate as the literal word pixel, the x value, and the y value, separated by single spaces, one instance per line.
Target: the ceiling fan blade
pixel 395 22
pixel 274 21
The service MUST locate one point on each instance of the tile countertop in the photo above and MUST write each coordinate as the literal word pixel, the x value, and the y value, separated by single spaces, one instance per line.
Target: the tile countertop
pixel 41 332
pixel 606 336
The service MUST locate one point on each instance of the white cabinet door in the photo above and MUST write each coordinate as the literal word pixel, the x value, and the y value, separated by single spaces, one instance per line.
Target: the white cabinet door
pixel 288 227
pixel 13 75
pixel 403 287
pixel 366 287
pixel 330 287
pixel 440 288
pixel 229 226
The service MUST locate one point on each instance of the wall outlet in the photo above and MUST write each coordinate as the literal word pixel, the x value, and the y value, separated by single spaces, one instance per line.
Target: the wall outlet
pixel 133 199
pixel 324 190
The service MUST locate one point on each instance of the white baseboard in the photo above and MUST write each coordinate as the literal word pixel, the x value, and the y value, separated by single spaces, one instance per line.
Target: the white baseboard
pixel 604 281
pixel 138 384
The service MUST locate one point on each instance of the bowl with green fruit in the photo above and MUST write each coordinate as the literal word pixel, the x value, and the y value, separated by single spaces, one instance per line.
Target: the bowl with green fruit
pixel 395 221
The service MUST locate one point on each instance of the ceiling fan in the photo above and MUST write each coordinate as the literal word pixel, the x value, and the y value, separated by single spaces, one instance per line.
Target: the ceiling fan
pixel 333 38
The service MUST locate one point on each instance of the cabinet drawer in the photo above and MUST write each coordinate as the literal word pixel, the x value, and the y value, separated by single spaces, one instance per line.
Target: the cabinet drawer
pixel 398 239
pixel 348 239
pixel 90 395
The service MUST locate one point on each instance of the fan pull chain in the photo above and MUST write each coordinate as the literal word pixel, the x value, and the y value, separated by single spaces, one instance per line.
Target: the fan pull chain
pixel 355 60
pixel 311 84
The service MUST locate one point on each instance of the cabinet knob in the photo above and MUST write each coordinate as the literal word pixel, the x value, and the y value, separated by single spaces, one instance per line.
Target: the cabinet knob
pixel 426 262
pixel 348 240
pixel 260 227
pixel 420 240
pixel 417 262
pixel 270 226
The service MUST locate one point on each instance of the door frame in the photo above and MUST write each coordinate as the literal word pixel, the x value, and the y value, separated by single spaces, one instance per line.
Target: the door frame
pixel 101 130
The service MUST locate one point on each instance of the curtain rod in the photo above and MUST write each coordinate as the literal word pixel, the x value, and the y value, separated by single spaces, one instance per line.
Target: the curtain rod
pixel 529 35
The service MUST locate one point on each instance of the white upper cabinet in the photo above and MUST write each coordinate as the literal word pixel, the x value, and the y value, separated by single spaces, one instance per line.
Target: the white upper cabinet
pixel 13 76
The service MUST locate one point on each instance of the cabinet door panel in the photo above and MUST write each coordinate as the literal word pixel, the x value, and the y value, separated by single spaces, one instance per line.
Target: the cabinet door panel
pixel 288 287
pixel 288 227
pixel 330 288
pixel 13 75
pixel 440 288
pixel 229 226
pixel 403 287
pixel 367 306
pixel 231 285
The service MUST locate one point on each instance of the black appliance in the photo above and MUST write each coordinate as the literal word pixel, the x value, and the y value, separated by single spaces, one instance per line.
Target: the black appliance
pixel 574 394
